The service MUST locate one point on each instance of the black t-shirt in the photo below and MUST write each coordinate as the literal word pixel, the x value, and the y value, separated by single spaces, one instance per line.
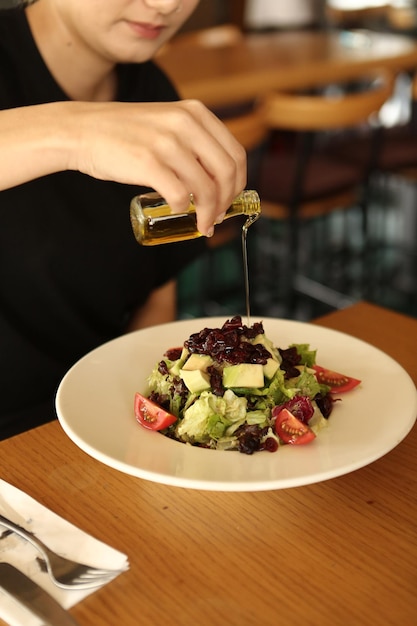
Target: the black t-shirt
pixel 70 269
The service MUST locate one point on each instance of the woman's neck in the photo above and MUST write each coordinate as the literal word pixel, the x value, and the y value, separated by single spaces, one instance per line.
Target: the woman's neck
pixel 81 74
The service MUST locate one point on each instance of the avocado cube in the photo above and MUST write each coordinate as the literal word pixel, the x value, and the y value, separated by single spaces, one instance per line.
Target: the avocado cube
pixel 270 368
pixel 198 362
pixel 262 339
pixel 196 381
pixel 243 375
pixel 175 369
pixel 259 339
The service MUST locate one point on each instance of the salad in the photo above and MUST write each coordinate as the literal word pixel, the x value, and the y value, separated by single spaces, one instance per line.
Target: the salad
pixel 231 388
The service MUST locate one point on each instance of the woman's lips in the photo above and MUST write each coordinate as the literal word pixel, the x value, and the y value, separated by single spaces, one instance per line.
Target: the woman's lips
pixel 146 31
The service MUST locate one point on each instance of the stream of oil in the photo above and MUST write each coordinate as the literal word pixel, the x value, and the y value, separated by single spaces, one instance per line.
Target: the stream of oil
pixel 250 220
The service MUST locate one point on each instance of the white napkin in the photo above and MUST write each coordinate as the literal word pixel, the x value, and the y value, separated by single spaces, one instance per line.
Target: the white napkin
pixel 58 534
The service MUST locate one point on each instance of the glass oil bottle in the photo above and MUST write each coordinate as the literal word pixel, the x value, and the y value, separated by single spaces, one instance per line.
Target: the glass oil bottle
pixel 154 223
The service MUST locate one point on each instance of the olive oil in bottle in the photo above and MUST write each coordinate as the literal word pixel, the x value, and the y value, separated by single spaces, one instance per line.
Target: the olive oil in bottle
pixel 154 223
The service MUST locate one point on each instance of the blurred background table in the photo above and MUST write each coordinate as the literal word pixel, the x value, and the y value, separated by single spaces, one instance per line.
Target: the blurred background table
pixel 223 75
pixel 339 552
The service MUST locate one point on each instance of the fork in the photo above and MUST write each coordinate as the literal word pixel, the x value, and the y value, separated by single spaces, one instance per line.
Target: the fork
pixel 64 572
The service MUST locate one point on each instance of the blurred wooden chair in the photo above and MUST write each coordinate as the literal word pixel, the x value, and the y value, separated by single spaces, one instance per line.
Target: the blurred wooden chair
pixel 299 185
pixel 402 18
pixel 366 17
pixel 398 149
pixel 392 243
pixel 396 184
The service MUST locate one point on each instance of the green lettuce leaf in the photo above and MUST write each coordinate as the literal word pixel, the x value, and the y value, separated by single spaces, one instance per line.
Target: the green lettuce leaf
pixel 209 416
pixel 308 357
pixel 306 384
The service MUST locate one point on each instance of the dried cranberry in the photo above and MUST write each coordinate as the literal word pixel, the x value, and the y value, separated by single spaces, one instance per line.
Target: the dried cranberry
pixel 216 381
pixel 163 368
pixel 234 324
pixel 173 354
pixel 160 399
pixel 290 358
pixel 249 438
pixel 230 343
pixel 256 329
pixel 179 389
pixel 325 403
pixel 249 331
pixel 270 444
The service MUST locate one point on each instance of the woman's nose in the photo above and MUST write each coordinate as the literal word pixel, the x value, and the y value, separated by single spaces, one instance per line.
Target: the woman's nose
pixel 165 6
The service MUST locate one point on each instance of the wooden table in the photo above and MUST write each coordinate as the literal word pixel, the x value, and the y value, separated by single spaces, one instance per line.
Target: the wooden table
pixel 230 74
pixel 338 553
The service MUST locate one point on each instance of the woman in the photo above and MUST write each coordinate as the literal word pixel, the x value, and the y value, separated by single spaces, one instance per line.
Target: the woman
pixel 84 105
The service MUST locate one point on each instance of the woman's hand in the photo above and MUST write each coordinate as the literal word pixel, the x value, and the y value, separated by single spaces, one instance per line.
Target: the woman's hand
pixel 178 149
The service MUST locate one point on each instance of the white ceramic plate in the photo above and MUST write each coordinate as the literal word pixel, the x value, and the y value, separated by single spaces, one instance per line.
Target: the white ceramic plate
pixel 95 408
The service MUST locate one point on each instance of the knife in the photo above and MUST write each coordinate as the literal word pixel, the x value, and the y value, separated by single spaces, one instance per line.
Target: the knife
pixel 33 597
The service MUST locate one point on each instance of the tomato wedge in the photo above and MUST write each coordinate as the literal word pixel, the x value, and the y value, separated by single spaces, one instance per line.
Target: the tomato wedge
pixel 150 415
pixel 292 430
pixel 338 383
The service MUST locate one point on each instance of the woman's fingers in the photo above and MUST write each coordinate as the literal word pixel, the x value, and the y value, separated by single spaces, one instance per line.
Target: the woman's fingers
pixel 177 148
pixel 217 172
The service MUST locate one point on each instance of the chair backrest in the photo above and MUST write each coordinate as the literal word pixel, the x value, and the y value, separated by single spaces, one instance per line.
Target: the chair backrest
pixel 298 112
pixel 249 128
pixel 402 17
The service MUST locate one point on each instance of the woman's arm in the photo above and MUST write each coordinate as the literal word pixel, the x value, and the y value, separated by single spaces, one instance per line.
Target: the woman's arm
pixel 177 148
